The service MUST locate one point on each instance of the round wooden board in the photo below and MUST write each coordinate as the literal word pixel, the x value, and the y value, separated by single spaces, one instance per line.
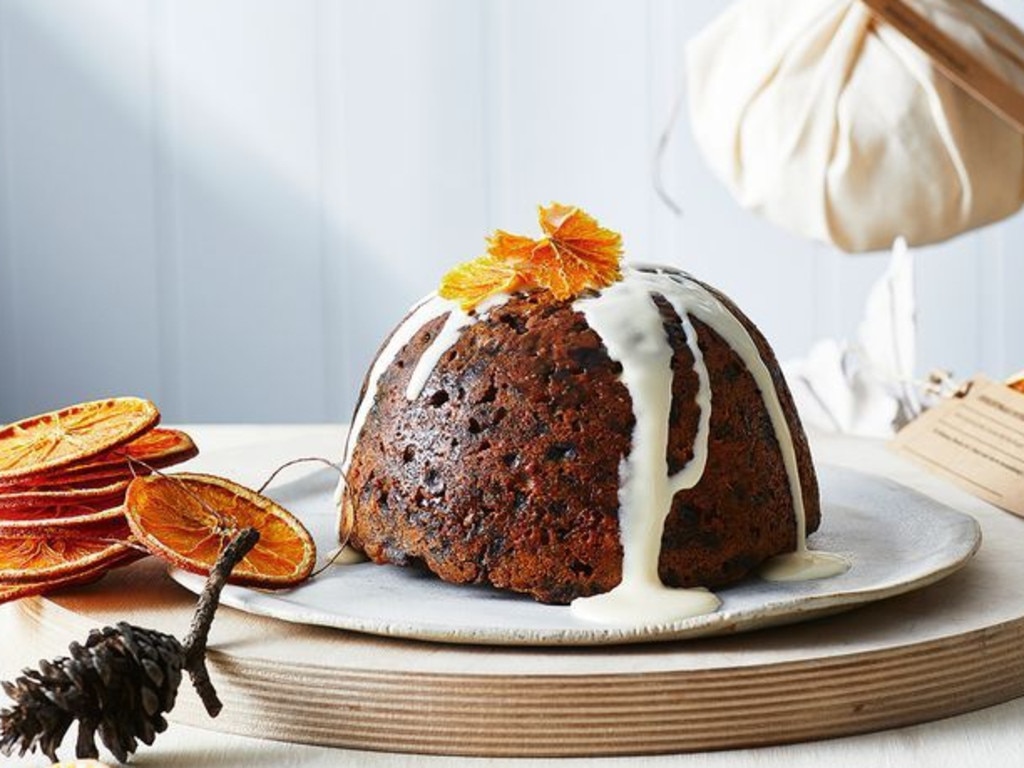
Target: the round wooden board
pixel 951 648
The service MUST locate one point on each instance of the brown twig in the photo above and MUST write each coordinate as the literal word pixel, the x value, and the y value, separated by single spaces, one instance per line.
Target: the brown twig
pixel 199 632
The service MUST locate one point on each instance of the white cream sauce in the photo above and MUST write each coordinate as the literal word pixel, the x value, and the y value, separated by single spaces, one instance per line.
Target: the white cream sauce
pixel 458 320
pixel 345 555
pixel 431 307
pixel 803 565
pixel 627 319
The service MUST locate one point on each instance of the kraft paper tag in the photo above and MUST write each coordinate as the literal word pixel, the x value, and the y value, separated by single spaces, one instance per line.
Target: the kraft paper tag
pixel 976 440
pixel 960 65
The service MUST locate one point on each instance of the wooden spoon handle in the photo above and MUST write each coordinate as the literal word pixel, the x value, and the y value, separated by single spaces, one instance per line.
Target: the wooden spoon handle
pixel 960 65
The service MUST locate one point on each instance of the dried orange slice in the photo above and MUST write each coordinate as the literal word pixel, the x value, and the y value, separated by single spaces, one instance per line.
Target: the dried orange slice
pixel 56 511
pixel 64 482
pixel 155 449
pixel 32 588
pixel 41 558
pixel 82 521
pixel 473 282
pixel 58 439
pixel 187 519
pixel 10 592
pixel 576 254
pixel 158 447
pixel 25 501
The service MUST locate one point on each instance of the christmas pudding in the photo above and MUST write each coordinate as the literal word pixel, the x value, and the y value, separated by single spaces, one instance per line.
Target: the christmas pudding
pixel 555 423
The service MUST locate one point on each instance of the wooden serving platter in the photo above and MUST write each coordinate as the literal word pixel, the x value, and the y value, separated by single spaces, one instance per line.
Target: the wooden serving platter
pixel 952 647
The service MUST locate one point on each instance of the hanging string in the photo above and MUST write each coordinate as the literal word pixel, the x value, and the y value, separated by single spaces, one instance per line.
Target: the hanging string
pixel 661 151
pixel 347 519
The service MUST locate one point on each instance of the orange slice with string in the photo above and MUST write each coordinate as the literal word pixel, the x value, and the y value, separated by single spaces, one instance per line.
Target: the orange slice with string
pixel 58 439
pixel 42 558
pixel 187 519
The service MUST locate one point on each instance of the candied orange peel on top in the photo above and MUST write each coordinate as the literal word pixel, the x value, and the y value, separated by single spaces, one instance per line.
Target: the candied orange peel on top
pixel 575 254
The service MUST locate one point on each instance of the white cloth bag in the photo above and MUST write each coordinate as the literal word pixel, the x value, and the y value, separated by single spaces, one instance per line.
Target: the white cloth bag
pixel 836 127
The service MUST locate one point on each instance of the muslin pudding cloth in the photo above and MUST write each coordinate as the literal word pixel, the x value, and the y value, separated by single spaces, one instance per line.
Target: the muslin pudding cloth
pixel 836 127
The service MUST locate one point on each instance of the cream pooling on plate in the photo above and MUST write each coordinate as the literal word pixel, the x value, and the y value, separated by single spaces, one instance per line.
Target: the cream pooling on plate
pixel 626 318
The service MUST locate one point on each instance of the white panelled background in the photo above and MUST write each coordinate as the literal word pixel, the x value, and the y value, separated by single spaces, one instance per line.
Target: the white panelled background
pixel 224 205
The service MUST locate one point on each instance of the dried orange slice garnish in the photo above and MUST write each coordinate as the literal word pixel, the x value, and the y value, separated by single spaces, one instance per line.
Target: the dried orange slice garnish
pixel 575 254
pixel 58 439
pixel 510 248
pixel 578 253
pixel 473 282
pixel 187 519
pixel 41 558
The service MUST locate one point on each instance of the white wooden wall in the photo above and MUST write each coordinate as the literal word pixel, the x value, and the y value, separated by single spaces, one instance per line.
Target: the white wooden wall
pixel 225 204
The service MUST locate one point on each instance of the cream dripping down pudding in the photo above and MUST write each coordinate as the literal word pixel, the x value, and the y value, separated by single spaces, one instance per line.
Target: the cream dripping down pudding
pixel 553 422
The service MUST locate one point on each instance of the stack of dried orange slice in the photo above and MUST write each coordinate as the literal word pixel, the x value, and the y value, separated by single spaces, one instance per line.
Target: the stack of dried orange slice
pixel 75 501
pixel 63 477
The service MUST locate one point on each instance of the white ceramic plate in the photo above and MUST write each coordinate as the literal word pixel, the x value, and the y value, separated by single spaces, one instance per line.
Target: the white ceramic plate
pixel 896 539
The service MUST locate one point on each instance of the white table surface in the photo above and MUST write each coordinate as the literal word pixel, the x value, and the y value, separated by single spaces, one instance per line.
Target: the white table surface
pixel 992 738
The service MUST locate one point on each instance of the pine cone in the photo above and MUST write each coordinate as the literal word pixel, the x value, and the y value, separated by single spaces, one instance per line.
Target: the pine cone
pixel 119 685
